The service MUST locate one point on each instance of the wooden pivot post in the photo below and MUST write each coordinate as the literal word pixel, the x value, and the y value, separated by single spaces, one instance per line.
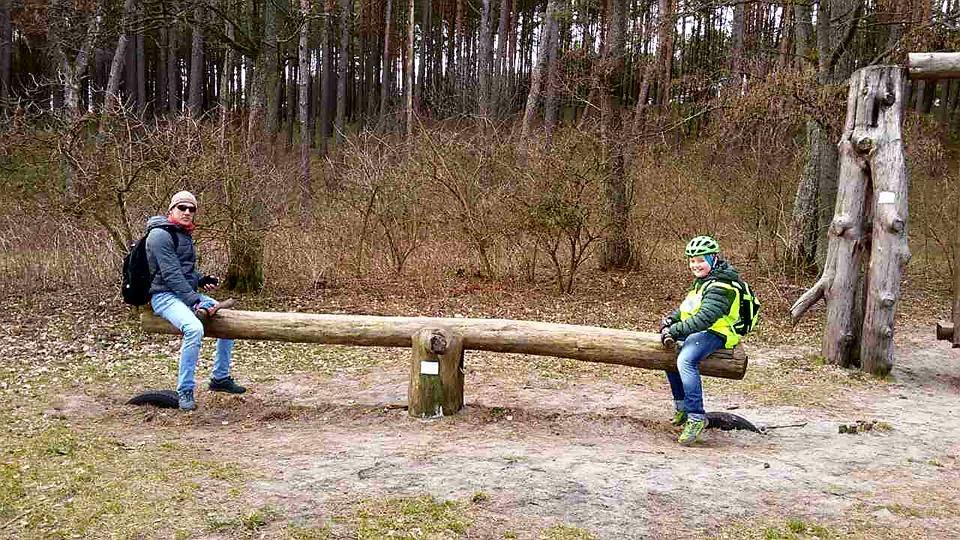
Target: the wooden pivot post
pixel 436 374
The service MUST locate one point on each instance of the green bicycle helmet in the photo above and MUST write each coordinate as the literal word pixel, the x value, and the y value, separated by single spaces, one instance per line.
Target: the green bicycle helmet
pixel 701 245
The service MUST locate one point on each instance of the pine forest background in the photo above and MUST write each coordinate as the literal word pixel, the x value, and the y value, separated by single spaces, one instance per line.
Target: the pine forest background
pixel 525 142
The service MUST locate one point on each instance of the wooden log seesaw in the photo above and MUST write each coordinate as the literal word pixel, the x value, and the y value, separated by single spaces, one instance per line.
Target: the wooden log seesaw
pixel 438 345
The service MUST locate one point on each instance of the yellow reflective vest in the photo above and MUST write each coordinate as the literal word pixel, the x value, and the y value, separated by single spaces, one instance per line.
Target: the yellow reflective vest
pixel 724 325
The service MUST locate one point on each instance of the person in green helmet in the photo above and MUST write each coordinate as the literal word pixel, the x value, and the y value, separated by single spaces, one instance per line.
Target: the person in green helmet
pixel 702 324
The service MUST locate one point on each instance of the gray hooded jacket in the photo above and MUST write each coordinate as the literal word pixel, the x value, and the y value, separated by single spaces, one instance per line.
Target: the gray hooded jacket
pixel 173 268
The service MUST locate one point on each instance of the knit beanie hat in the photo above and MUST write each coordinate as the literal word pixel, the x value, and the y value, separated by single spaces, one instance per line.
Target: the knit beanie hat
pixel 182 197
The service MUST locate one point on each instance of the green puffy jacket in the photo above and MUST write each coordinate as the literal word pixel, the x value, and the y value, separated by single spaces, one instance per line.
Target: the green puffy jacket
pixel 711 304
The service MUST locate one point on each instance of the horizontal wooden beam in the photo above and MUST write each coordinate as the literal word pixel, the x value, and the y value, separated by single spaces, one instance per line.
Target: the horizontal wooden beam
pixel 945 330
pixel 934 65
pixel 589 343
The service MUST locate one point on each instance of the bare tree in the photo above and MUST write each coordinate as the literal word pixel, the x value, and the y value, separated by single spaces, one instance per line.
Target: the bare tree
pixel 616 248
pixel 813 207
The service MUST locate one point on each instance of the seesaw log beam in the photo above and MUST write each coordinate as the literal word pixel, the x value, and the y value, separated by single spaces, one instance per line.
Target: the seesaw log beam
pixel 588 343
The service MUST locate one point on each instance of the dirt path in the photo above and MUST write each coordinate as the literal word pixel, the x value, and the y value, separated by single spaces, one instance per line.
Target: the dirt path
pixel 598 454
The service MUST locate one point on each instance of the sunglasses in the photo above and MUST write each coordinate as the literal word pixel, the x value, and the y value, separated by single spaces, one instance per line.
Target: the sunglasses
pixel 187 208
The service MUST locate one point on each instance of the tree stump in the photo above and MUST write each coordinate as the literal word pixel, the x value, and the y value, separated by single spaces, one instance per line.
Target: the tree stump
pixel 436 374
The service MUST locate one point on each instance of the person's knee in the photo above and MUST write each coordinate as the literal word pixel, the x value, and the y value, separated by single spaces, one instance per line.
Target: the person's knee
pixel 193 331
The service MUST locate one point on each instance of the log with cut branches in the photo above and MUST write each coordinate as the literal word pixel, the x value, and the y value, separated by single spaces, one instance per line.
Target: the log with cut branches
pixel 592 344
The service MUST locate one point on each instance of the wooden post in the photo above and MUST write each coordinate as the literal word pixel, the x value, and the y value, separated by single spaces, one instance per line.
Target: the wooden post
pixel 436 374
pixel 956 282
pixel 882 90
pixel 945 331
pixel 847 232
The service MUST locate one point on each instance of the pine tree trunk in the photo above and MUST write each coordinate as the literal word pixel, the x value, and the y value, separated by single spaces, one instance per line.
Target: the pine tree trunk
pixel 536 77
pixel 459 50
pixel 303 53
pixel 737 49
pixel 129 88
pixel 346 16
pixel 119 57
pixel 225 75
pixel 197 73
pixel 173 72
pixel 408 70
pixel 785 58
pixel 160 103
pixel 271 72
pixel 290 115
pixel 6 55
pixel 385 66
pixel 668 17
pixel 486 60
pixel 72 72
pixel 140 53
pixel 327 81
pixel 423 66
pixel 550 102
pixel 504 28
pixel 616 249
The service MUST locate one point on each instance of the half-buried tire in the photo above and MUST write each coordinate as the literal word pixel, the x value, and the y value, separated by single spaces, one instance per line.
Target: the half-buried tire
pixel 726 422
pixel 165 399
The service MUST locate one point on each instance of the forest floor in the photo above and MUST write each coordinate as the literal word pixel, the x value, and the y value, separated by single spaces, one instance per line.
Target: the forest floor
pixel 321 447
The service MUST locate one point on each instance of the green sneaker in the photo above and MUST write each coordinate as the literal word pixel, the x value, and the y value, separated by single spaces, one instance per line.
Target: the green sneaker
pixel 679 418
pixel 692 431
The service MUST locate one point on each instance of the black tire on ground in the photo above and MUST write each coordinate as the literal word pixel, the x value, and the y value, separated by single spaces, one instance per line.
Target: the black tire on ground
pixel 727 421
pixel 165 399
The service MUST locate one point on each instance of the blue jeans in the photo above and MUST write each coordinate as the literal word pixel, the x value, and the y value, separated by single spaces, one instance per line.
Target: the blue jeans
pixel 171 308
pixel 685 382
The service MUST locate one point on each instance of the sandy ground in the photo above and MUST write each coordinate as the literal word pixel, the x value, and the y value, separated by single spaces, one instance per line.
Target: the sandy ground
pixel 600 454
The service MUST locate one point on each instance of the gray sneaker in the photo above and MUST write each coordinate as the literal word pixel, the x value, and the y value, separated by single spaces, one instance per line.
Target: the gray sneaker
pixel 186 401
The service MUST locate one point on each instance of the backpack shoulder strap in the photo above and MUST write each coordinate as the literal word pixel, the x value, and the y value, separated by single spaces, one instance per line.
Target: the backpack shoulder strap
pixel 172 231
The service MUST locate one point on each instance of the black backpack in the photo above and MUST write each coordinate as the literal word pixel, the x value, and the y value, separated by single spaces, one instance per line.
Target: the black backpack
pixel 136 270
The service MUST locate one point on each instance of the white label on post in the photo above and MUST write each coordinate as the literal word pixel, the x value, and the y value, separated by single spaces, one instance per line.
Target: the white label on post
pixel 429 368
pixel 886 197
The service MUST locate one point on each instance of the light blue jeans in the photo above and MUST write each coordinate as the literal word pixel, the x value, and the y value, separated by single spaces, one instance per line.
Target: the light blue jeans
pixel 685 382
pixel 171 308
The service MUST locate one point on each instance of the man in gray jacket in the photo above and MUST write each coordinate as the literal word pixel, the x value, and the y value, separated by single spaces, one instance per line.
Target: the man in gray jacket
pixel 174 296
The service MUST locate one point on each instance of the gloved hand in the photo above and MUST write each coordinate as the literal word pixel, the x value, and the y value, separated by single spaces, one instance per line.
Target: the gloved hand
pixel 666 339
pixel 666 321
